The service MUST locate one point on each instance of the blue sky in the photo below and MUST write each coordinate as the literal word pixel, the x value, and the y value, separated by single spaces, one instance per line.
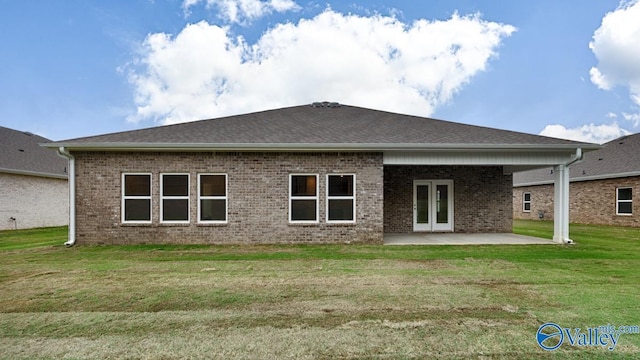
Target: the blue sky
pixel 561 68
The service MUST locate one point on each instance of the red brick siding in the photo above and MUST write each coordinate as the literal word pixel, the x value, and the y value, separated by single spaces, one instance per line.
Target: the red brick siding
pixel 482 197
pixel 591 202
pixel 258 185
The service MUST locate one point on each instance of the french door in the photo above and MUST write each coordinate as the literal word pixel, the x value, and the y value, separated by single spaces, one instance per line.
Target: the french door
pixel 433 205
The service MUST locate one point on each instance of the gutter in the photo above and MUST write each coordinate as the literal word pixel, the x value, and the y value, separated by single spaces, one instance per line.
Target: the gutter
pixel 579 157
pixel 64 153
pixel 311 147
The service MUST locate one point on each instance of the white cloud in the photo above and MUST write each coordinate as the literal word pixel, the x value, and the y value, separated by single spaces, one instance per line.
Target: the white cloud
pixel 616 45
pixel 242 11
pixel 378 62
pixel 586 133
pixel 611 115
pixel 634 118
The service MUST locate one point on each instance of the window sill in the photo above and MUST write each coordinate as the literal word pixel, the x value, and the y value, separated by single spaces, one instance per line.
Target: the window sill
pixel 212 224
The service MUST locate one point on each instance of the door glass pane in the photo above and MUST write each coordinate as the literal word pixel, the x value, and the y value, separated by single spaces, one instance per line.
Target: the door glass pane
pixel 442 204
pixel 422 204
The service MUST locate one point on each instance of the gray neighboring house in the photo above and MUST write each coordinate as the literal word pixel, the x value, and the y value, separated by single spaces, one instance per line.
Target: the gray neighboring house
pixel 604 187
pixel 316 173
pixel 34 190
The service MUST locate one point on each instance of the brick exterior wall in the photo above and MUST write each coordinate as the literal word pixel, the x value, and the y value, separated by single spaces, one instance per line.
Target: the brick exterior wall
pixel 541 202
pixel 258 197
pixel 591 202
pixel 482 197
pixel 33 201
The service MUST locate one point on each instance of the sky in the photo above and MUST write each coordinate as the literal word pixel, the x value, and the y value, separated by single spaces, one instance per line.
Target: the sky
pixel 75 68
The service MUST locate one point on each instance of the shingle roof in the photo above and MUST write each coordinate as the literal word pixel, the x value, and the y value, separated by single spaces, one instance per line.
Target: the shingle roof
pixel 320 124
pixel 20 153
pixel 617 158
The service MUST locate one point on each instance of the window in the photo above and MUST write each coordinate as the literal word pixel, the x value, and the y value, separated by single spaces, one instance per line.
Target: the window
pixel 303 198
pixel 136 198
pixel 624 200
pixel 174 198
pixel 212 198
pixel 341 198
pixel 526 202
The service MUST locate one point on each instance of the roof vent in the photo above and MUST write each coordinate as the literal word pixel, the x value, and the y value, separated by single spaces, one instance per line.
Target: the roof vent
pixel 326 104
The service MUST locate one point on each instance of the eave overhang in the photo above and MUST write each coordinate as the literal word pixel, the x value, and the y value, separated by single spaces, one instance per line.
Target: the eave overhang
pixel 316 147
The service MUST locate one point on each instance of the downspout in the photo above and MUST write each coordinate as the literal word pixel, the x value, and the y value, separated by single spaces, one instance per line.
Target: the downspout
pixel 64 153
pixel 562 229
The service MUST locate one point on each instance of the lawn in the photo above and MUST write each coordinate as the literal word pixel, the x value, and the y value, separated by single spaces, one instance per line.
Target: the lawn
pixel 314 301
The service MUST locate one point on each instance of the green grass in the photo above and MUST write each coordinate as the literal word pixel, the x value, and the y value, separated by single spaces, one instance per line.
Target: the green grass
pixel 314 301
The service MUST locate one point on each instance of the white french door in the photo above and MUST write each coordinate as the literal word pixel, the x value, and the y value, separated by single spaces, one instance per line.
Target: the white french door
pixel 433 205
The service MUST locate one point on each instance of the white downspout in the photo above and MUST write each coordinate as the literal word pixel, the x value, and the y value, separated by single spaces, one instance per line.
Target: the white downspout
pixel 62 152
pixel 561 200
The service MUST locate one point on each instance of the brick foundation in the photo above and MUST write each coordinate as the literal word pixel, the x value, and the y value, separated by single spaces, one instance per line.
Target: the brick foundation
pixel 482 197
pixel 258 185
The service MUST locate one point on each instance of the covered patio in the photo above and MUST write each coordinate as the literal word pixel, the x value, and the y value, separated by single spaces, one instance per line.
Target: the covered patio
pixel 464 239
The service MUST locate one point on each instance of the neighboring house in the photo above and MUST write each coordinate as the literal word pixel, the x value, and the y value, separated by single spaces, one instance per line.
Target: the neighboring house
pixel 319 173
pixel 604 187
pixel 34 191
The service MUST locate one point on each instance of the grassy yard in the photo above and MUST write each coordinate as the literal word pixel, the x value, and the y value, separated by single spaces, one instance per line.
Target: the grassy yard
pixel 314 302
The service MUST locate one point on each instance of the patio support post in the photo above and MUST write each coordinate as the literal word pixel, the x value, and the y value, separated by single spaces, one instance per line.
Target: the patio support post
pixel 561 204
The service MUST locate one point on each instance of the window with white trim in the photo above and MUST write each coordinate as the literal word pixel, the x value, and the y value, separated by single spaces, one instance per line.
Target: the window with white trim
pixel 341 198
pixel 212 198
pixel 526 202
pixel 624 201
pixel 174 198
pixel 303 198
pixel 136 198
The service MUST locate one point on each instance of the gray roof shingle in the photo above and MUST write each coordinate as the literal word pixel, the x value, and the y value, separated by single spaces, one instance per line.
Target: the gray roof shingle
pixel 20 152
pixel 617 158
pixel 320 124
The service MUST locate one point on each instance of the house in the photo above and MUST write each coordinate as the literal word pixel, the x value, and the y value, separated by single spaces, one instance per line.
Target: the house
pixel 34 190
pixel 317 173
pixel 604 187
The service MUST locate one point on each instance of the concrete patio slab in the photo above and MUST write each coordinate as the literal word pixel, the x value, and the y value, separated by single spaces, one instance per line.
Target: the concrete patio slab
pixel 462 239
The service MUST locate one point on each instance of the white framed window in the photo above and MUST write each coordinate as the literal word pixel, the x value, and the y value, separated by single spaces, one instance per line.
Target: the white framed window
pixel 212 198
pixel 341 198
pixel 303 198
pixel 624 201
pixel 174 198
pixel 136 198
pixel 526 202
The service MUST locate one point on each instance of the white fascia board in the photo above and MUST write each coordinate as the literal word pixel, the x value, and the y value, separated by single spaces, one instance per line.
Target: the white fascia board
pixel 480 158
pixel 336 147
pixel 33 173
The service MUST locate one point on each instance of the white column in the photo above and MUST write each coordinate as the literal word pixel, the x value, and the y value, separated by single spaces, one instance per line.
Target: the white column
pixel 561 204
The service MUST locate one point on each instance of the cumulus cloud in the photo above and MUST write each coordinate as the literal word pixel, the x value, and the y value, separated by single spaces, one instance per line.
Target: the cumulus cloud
pixel 242 11
pixel 591 133
pixel 378 61
pixel 616 45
